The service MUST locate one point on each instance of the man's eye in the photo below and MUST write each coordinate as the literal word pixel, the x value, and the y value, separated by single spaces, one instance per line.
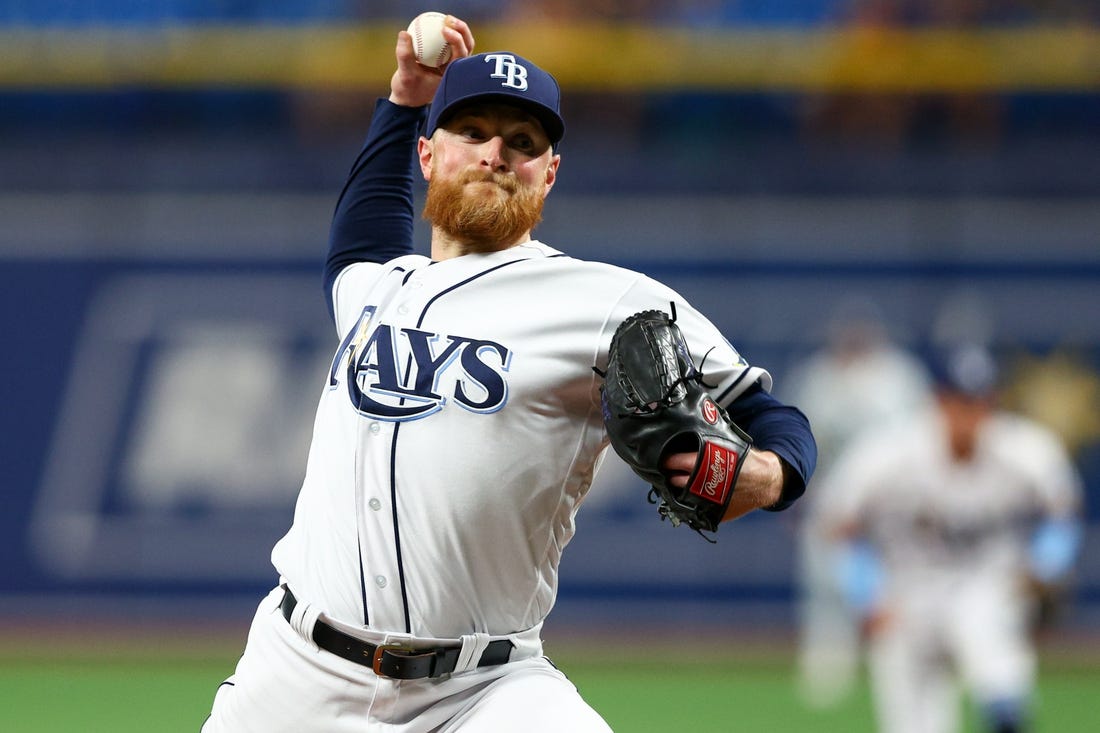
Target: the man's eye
pixel 523 142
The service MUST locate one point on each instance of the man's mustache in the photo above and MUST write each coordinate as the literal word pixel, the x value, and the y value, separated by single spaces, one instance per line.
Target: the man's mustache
pixel 507 181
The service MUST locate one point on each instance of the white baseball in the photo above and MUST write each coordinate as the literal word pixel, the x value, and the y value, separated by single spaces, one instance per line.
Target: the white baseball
pixel 427 37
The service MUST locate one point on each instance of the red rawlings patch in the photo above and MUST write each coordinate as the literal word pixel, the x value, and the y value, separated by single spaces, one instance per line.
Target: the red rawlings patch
pixel 710 411
pixel 715 475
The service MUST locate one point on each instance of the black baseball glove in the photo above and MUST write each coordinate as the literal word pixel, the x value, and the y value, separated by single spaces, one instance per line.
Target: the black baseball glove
pixel 654 405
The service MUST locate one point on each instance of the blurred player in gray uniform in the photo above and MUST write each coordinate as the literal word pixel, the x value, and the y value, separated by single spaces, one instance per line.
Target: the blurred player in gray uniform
pixel 859 379
pixel 953 515
pixel 459 428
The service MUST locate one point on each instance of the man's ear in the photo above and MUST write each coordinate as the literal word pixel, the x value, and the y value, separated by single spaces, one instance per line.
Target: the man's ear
pixel 424 152
pixel 552 172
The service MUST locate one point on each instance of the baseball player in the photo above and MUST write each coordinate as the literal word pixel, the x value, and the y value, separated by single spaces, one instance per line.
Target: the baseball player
pixel 459 428
pixel 953 514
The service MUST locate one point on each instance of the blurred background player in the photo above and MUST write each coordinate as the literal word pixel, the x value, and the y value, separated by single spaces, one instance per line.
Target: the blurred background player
pixel 859 378
pixel 952 518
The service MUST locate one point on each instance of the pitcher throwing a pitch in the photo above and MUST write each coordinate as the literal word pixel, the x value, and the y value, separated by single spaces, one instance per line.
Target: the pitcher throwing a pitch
pixel 460 425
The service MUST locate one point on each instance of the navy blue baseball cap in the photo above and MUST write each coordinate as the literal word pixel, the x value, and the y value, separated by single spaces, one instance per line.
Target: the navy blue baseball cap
pixel 502 77
pixel 966 369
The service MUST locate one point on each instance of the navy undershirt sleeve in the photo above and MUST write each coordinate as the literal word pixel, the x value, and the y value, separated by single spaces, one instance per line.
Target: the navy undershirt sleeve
pixel 373 221
pixel 782 429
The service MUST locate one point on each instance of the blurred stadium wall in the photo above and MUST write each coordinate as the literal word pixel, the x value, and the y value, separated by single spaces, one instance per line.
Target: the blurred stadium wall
pixel 168 169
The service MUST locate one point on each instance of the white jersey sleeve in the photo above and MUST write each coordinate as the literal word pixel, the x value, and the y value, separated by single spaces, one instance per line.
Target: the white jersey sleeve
pixel 1039 459
pixel 726 373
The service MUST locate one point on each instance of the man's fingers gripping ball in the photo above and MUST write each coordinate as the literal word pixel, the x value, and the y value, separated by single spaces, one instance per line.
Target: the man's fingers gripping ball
pixel 664 424
pixel 419 69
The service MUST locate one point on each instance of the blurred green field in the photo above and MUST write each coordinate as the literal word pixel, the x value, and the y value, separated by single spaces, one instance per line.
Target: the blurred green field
pixel 74 685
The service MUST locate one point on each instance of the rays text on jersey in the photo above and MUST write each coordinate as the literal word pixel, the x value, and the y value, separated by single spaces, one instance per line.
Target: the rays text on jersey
pixel 401 373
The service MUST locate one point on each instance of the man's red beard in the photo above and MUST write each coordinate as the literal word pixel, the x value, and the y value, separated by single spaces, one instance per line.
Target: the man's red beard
pixel 487 216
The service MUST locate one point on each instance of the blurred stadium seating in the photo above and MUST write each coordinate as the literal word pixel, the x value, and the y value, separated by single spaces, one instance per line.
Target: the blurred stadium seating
pixel 167 170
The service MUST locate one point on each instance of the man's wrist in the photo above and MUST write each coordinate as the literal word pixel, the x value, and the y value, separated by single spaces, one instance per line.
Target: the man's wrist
pixel 762 477
pixel 399 101
pixel 395 101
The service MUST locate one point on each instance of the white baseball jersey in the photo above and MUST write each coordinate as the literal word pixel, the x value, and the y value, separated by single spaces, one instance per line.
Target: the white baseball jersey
pixel 458 432
pixel 931 515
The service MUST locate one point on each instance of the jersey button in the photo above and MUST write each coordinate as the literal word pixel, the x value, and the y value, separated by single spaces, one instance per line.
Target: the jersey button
pixel 374 504
pixel 380 581
pixel 374 428
pixel 403 309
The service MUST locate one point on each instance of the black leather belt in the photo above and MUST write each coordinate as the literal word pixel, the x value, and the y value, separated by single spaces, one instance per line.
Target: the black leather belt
pixel 395 660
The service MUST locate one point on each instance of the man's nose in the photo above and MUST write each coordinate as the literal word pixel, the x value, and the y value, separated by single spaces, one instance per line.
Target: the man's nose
pixel 492 154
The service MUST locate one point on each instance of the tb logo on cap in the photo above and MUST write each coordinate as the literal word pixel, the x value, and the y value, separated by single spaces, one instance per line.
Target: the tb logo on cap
pixel 512 73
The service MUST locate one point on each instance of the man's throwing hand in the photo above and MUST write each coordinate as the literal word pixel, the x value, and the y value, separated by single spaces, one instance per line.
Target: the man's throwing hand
pixel 413 84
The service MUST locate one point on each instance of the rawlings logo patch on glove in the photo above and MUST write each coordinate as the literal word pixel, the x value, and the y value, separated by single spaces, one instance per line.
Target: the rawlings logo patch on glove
pixel 717 468
pixel 654 405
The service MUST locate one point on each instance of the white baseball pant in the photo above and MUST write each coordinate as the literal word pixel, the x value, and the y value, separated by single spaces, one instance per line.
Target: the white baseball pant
pixel 283 682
